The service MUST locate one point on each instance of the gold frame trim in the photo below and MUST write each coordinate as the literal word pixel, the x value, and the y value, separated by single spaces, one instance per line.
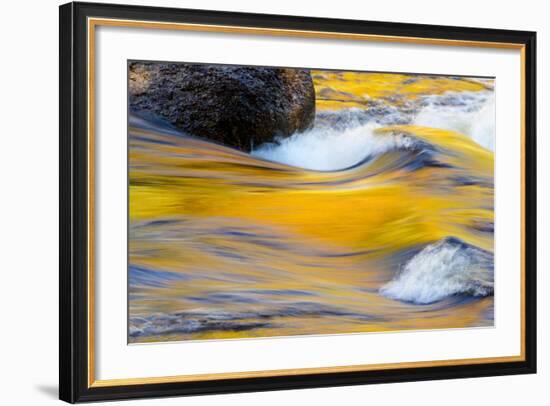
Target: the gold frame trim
pixel 94 22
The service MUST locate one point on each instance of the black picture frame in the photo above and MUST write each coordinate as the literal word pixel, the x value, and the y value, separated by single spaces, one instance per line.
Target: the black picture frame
pixel 74 385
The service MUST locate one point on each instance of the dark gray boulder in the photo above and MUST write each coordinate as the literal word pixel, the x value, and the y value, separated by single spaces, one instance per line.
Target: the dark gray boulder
pixel 241 107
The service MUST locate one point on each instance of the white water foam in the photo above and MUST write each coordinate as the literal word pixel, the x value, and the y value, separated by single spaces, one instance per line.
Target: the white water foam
pixel 350 141
pixel 469 113
pixel 326 149
pixel 447 268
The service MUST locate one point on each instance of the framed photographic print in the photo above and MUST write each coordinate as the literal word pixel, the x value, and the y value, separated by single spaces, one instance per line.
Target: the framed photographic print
pixel 256 202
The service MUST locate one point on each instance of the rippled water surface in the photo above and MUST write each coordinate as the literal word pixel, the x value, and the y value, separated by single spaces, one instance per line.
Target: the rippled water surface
pixel 378 218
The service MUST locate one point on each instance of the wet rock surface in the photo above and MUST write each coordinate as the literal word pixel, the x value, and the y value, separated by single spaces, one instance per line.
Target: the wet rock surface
pixel 241 107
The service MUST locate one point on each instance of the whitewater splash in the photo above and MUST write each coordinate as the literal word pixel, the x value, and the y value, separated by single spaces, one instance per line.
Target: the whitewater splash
pixel 329 149
pixel 469 113
pixel 447 268
pixel 344 138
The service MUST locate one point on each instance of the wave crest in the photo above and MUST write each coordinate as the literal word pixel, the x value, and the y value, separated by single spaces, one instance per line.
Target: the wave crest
pixel 325 148
pixel 344 138
pixel 447 268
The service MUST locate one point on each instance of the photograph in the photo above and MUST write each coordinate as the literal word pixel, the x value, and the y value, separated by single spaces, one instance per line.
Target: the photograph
pixel 274 203
pixel 281 201
pixel 252 202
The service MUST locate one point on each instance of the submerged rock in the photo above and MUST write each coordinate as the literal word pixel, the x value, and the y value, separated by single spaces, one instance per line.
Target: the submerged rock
pixel 241 107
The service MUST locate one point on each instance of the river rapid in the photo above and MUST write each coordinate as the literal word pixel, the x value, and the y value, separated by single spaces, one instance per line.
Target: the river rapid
pixel 378 218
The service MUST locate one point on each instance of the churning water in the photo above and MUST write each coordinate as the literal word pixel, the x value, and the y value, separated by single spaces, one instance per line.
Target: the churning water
pixel 380 217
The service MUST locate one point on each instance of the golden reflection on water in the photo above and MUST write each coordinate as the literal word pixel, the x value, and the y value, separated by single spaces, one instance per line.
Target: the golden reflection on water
pixel 295 251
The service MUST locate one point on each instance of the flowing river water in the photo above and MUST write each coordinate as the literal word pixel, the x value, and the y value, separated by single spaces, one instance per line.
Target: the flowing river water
pixel 379 218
